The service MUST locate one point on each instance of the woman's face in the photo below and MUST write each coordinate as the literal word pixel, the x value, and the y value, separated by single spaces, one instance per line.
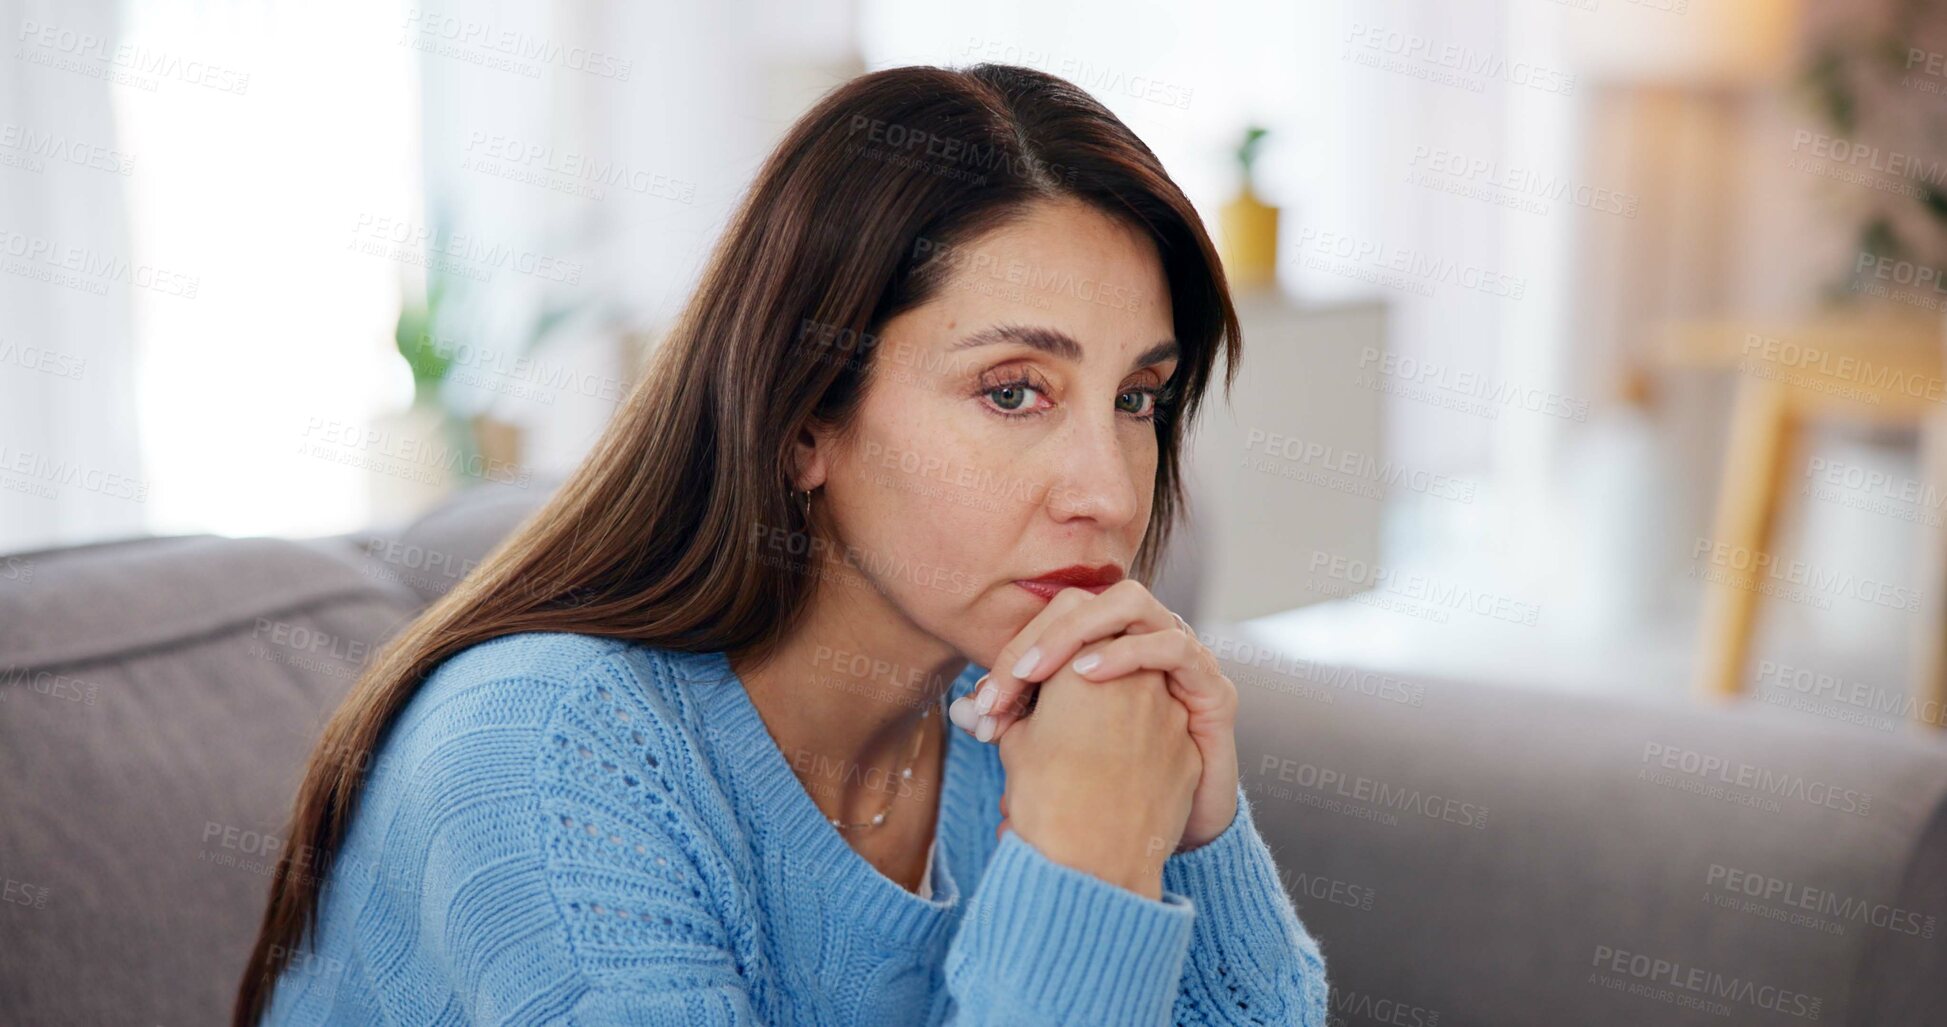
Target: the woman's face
pixel 1006 431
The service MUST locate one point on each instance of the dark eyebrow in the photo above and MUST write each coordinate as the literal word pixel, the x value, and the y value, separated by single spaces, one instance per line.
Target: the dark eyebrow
pixel 1058 343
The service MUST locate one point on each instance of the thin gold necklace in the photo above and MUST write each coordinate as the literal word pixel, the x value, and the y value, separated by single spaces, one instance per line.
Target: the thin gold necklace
pixel 905 774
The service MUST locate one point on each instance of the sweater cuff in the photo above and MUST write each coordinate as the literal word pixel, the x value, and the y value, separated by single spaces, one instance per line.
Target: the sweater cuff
pixel 1236 858
pixel 1234 883
pixel 1049 943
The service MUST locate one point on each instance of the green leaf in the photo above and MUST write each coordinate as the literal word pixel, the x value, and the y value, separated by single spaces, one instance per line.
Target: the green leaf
pixel 1247 150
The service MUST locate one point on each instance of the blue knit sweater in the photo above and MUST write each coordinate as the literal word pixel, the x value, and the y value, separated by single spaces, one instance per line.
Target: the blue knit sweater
pixel 560 828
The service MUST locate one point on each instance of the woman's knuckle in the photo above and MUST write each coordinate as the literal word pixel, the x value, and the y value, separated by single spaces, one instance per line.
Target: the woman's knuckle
pixel 1072 596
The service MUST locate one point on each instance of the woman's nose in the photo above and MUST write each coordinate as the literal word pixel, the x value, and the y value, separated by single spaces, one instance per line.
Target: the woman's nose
pixel 1094 471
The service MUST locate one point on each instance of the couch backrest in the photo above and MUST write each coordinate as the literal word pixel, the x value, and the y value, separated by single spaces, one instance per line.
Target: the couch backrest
pixel 1474 854
pixel 158 700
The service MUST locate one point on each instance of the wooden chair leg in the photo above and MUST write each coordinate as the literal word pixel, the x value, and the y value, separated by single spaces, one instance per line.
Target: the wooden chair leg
pixel 1929 680
pixel 1751 487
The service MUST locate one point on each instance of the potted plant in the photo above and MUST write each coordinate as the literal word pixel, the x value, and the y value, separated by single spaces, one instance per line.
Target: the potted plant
pixel 1249 226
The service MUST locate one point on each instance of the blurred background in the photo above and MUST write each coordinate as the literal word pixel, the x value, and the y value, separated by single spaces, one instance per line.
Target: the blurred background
pixel 1559 315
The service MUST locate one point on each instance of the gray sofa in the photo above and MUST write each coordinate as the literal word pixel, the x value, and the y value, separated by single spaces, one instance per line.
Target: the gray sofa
pixel 1465 854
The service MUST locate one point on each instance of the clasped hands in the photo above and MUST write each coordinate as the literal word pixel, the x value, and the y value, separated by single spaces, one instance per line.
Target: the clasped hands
pixel 1129 752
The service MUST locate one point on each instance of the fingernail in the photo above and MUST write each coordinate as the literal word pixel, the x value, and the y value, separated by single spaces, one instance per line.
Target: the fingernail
pixel 1087 663
pixel 961 712
pixel 1025 665
pixel 984 702
pixel 985 732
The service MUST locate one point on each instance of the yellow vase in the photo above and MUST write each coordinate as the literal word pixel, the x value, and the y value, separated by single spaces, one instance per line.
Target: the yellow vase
pixel 1249 245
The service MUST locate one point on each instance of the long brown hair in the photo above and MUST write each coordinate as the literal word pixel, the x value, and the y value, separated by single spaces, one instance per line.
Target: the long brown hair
pixel 851 221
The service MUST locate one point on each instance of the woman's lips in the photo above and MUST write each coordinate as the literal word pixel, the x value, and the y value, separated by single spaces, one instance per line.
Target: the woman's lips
pixel 1094 578
pixel 1049 589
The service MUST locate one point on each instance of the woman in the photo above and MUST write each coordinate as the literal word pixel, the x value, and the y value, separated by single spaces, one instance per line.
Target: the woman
pixel 670 755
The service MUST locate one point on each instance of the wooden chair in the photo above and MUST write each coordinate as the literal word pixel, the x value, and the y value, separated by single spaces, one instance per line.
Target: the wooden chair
pixel 1879 368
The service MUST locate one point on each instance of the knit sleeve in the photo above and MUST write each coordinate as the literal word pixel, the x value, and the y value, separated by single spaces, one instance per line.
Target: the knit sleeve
pixel 1251 960
pixel 562 880
pixel 1045 943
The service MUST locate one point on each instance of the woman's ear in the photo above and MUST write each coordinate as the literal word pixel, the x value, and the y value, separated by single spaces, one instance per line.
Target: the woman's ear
pixel 810 456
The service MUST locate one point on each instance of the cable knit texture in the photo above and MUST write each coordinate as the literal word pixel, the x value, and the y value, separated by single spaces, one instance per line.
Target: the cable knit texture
pixel 560 828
